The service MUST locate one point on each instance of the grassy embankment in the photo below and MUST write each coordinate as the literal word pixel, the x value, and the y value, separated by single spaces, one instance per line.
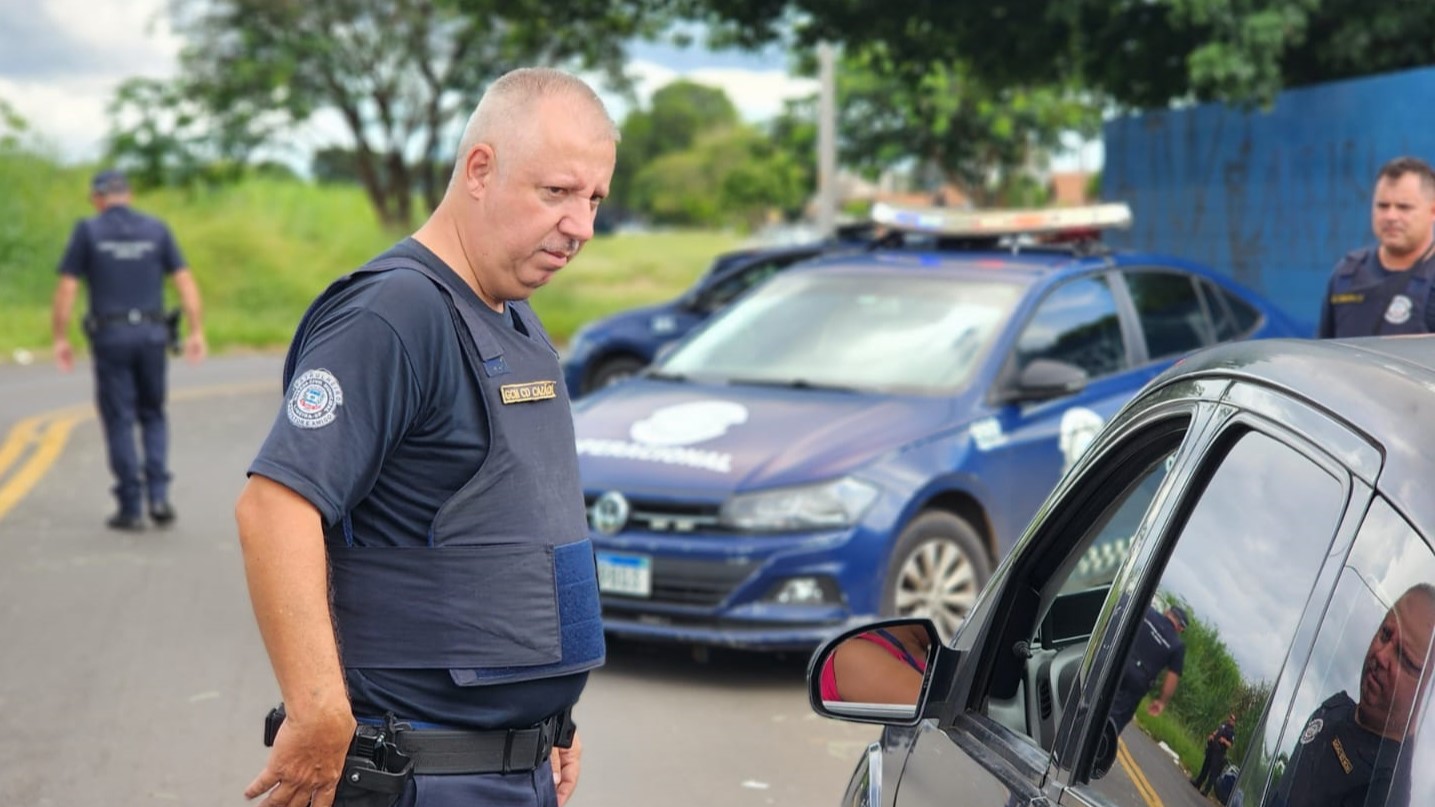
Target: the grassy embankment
pixel 263 249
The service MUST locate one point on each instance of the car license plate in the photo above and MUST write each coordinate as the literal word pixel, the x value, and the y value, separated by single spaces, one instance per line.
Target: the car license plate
pixel 625 574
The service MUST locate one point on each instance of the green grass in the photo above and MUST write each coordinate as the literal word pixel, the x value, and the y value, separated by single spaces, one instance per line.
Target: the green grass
pixel 263 249
pixel 1189 745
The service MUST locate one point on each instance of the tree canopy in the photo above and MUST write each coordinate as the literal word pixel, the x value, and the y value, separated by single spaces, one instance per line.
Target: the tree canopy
pixel 402 75
pixel 1137 53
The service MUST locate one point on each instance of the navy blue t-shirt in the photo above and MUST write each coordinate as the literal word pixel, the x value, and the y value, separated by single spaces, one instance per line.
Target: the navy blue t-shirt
pixel 1158 646
pixel 123 256
pixel 402 428
pixel 1336 763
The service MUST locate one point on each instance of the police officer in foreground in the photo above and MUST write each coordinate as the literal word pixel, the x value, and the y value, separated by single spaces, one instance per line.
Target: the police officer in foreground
pixel 1386 289
pixel 123 257
pixel 1348 753
pixel 423 469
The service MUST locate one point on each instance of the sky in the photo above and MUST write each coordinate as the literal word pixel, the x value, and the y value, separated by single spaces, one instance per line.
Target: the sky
pixel 61 60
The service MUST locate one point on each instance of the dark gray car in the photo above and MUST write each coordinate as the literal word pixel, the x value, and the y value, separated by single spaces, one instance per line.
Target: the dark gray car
pixel 1248 543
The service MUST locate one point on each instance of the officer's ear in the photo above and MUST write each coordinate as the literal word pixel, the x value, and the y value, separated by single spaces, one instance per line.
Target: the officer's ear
pixel 480 166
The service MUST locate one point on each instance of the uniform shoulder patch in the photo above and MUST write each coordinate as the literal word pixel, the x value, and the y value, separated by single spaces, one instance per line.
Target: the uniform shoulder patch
pixel 314 399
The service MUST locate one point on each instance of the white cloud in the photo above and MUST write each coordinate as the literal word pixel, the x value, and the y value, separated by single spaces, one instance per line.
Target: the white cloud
pixel 757 93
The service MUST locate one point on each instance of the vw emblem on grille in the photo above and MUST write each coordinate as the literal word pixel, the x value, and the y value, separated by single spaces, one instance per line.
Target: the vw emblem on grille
pixel 609 513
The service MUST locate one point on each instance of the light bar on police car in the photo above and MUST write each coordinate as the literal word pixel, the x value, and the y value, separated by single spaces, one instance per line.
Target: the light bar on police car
pixel 976 223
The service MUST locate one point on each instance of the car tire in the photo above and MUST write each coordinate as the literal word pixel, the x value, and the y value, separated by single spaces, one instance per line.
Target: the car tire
pixel 938 566
pixel 612 370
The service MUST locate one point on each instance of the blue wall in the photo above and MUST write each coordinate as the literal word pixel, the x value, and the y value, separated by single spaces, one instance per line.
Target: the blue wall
pixel 1271 198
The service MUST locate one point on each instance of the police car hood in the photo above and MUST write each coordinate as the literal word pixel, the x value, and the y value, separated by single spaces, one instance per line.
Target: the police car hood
pixel 695 439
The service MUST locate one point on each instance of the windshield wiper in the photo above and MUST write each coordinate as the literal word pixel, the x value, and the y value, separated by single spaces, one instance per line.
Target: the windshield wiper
pixel 789 383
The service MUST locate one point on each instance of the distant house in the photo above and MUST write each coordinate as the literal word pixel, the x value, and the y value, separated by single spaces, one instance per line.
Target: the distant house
pixel 1069 188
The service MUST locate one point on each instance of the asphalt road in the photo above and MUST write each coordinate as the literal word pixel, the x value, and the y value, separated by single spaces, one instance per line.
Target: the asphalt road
pixel 131 672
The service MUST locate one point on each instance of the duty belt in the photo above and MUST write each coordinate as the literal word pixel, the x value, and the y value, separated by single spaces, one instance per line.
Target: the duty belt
pixel 452 751
pixel 134 316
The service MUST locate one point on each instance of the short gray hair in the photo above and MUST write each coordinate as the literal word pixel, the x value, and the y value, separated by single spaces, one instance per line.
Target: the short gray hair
pixel 508 97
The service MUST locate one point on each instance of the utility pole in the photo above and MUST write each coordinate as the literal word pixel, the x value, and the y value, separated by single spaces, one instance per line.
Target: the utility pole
pixel 827 140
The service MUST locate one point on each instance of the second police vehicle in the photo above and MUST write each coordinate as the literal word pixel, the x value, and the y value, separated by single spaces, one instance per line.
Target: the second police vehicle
pixel 867 433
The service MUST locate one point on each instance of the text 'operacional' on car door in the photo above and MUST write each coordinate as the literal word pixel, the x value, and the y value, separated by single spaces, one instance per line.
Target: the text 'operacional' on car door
pixel 867 434
pixel 1263 639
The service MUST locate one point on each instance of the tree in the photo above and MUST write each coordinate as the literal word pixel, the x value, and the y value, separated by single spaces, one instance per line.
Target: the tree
pixel 676 115
pixel 731 176
pixel 402 75
pixel 1135 52
pixel 161 135
pixel 979 138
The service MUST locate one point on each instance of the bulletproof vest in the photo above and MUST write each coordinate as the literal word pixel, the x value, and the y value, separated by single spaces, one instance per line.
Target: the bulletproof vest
pixel 126 267
pixel 503 588
pixel 1364 301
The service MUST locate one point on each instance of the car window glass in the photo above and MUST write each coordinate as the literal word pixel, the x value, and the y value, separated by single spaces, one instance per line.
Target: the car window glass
pixel 892 332
pixel 1223 320
pixel 1170 313
pixel 1034 706
pixel 1203 653
pixel 727 289
pixel 1344 737
pixel 1247 317
pixel 1076 323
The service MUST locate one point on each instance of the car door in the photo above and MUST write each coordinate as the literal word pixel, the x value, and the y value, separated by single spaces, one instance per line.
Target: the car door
pixel 1216 605
pixel 1026 445
pixel 995 749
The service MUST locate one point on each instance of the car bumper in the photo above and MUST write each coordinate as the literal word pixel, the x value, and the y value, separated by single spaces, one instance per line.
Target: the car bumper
pixel 719 589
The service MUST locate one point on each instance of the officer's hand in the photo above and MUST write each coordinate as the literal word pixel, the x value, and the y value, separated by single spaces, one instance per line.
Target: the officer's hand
pixel 565 768
pixel 195 348
pixel 1156 708
pixel 308 756
pixel 64 355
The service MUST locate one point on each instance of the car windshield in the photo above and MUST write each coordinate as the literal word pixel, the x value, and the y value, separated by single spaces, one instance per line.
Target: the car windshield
pixel 822 329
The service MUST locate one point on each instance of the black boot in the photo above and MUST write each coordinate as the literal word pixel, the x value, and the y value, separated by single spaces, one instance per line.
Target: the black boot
pixel 161 512
pixel 125 521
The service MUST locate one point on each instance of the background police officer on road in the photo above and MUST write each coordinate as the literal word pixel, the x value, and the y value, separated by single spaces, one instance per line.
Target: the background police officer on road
pixel 123 257
pixel 1386 289
pixel 424 469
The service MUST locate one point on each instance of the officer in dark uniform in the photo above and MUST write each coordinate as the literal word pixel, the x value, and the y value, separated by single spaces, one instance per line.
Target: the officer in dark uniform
pixel 1386 289
pixel 1217 744
pixel 1157 646
pixel 424 467
pixel 1348 751
pixel 123 257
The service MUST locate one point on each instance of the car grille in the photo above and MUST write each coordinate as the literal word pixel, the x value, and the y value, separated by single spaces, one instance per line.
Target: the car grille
pixel 690 582
pixel 674 517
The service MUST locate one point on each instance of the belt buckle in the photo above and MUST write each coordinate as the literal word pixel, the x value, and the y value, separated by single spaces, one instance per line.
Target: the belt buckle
pixel 134 317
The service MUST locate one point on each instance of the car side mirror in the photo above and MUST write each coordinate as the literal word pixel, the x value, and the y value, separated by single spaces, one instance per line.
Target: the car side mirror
pixel 1044 379
pixel 879 673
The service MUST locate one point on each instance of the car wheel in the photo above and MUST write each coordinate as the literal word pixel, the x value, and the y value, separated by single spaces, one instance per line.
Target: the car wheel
pixel 938 566
pixel 611 371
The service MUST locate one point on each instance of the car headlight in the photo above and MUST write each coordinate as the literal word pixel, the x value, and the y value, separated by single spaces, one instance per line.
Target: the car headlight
pixel 829 505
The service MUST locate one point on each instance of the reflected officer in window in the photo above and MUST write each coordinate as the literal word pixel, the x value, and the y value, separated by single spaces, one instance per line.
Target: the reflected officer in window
pixel 1348 749
pixel 123 256
pixel 1157 646
pixel 1387 289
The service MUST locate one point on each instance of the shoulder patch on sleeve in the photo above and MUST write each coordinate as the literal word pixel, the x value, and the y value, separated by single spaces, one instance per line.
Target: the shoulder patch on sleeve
pixel 314 399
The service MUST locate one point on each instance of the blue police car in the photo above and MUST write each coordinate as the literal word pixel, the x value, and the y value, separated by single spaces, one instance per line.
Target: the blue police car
pixel 867 433
pixel 612 349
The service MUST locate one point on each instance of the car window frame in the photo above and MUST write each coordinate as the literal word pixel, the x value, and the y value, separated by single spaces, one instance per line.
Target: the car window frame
pixel 1260 411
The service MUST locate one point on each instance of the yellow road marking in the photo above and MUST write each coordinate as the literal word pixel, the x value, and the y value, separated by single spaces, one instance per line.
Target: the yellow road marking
pixel 50 431
pixel 1143 785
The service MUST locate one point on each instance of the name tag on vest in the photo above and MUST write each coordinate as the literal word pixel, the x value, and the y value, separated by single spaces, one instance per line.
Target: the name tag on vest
pixel 532 391
pixel 1343 299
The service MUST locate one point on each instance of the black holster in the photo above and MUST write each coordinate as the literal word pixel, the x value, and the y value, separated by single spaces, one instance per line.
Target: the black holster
pixel 171 327
pixel 375 771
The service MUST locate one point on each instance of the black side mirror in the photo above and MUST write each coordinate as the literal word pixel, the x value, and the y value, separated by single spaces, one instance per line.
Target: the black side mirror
pixel 1044 379
pixel 878 673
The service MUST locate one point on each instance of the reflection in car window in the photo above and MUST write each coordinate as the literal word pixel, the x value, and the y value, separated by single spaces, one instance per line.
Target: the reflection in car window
pixel 1215 638
pixel 918 334
pixel 1035 707
pixel 1076 323
pixel 1344 737
pixel 1170 313
pixel 727 289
